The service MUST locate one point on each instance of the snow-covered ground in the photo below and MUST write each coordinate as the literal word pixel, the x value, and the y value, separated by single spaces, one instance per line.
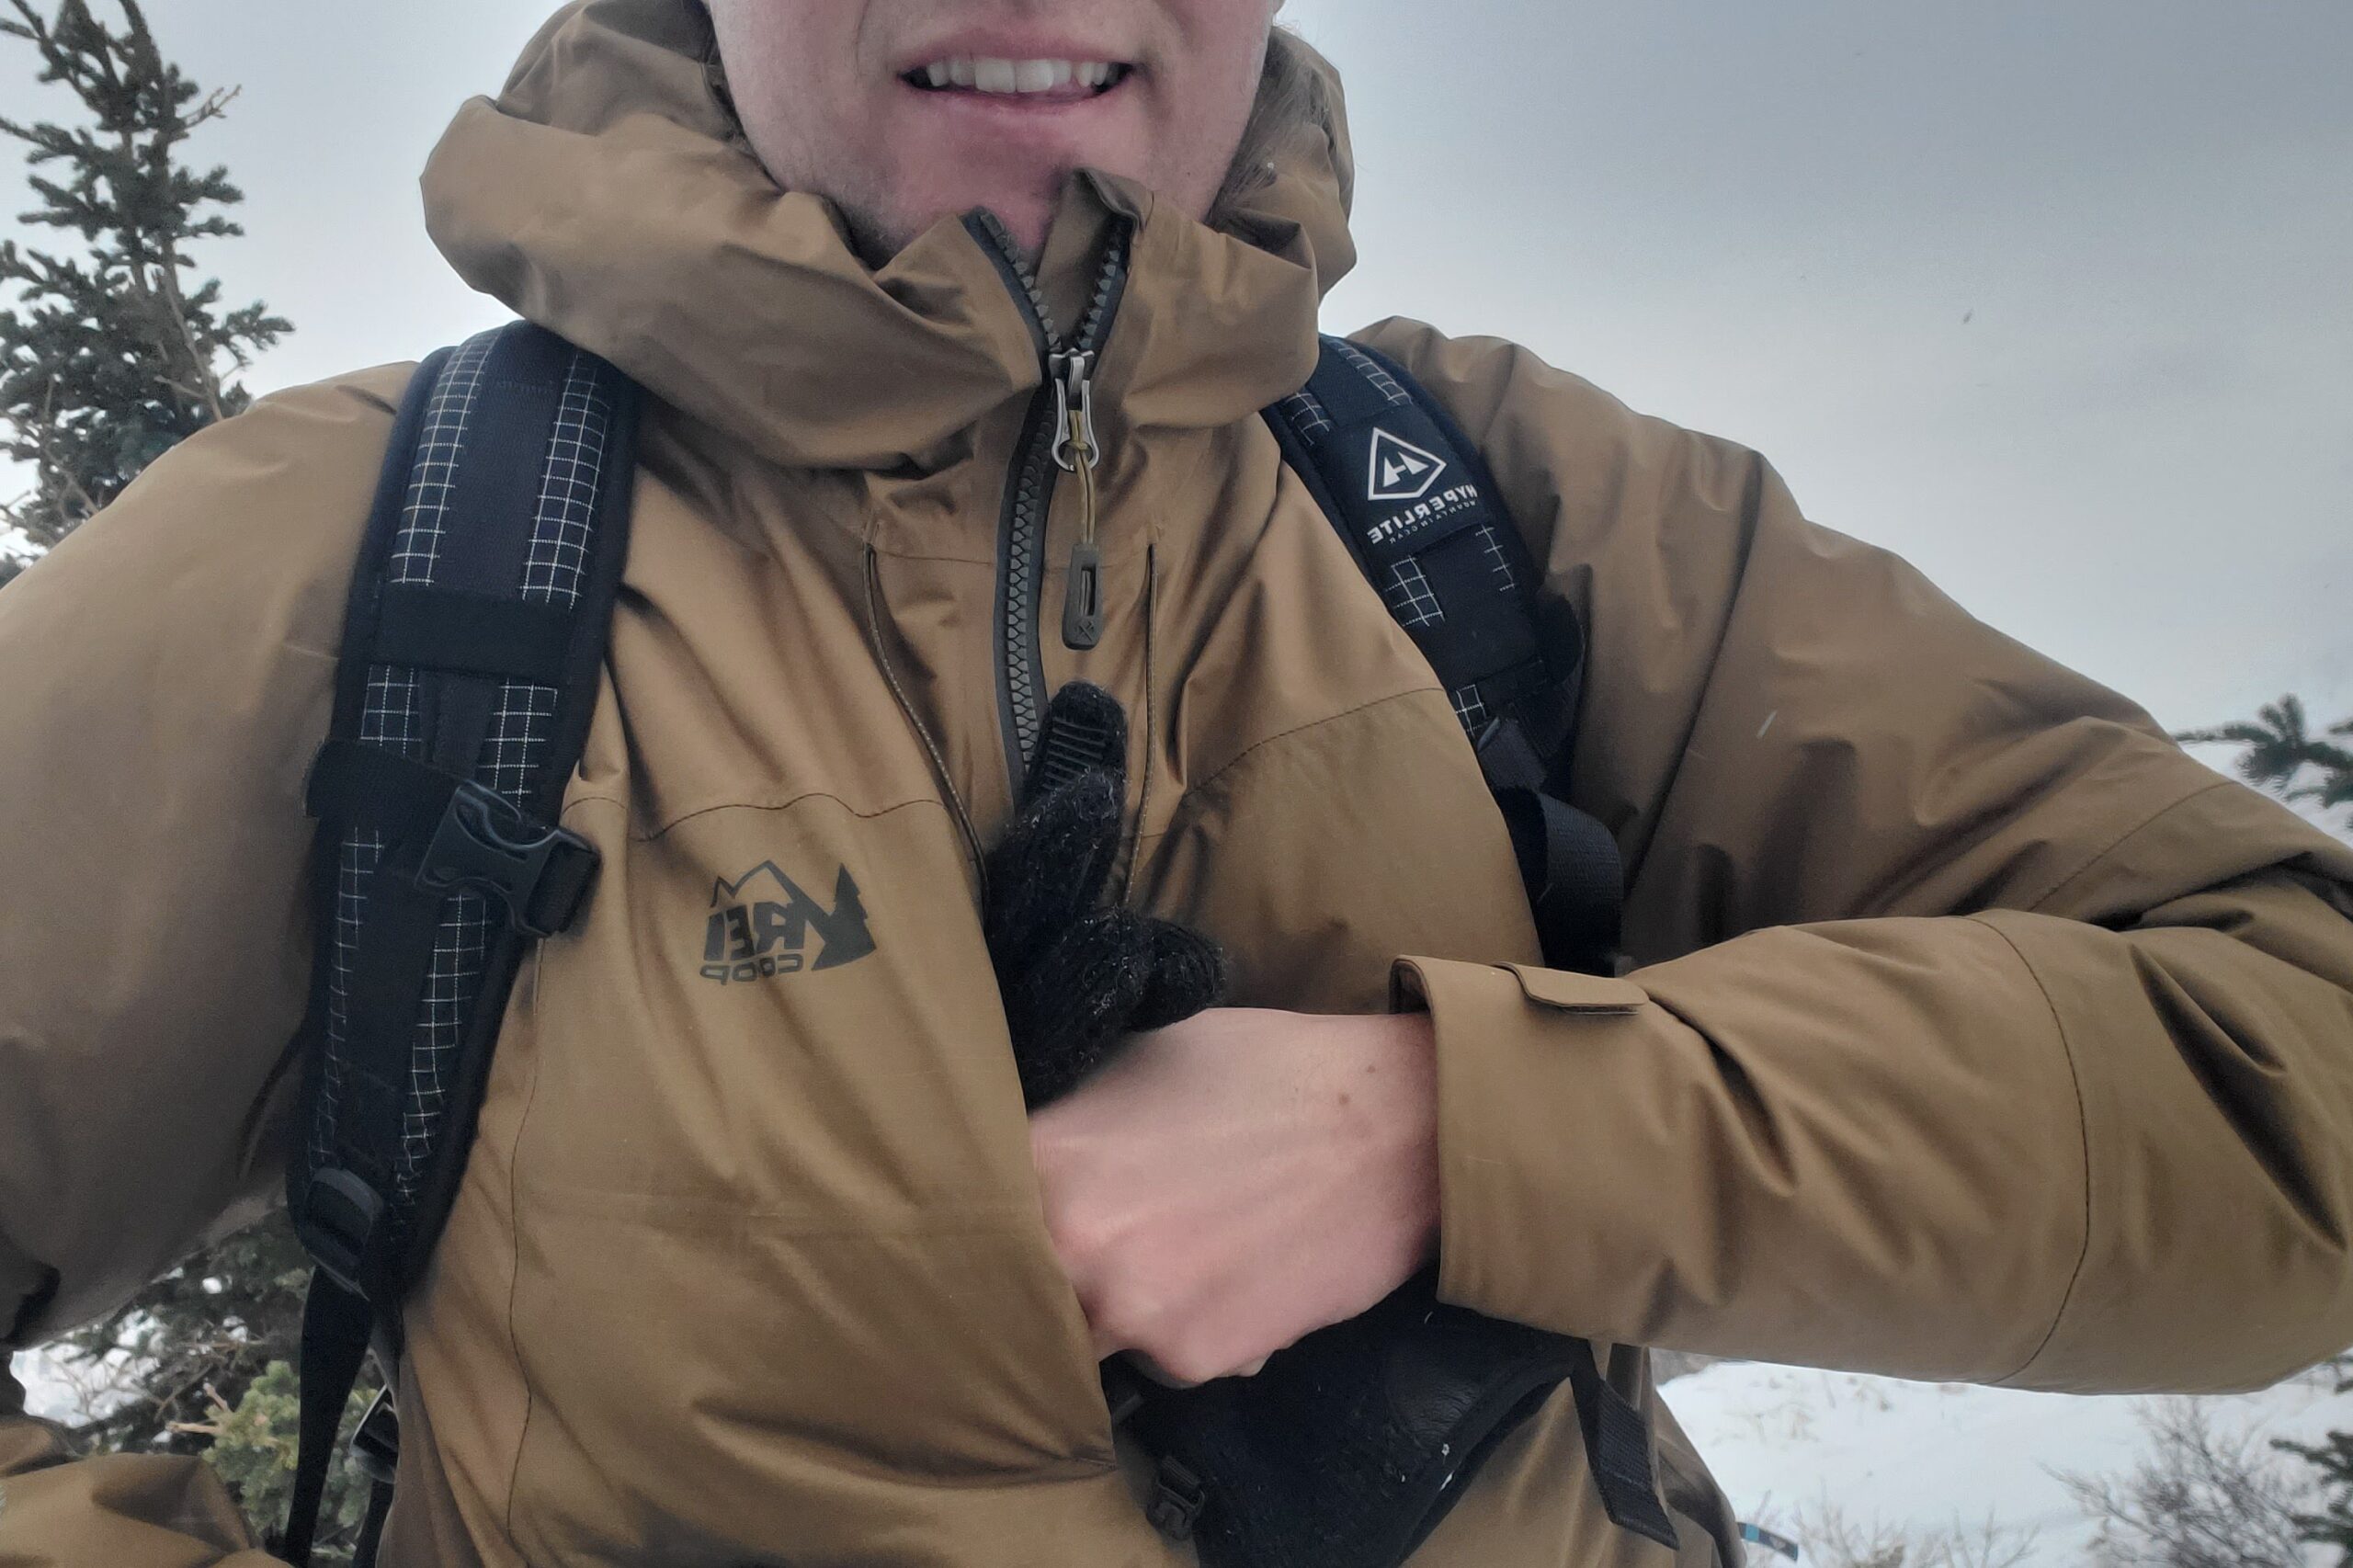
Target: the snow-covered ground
pixel 51 1390
pixel 1936 1457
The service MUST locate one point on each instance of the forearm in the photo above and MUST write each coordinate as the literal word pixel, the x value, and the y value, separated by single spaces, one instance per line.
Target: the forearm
pixel 2010 1147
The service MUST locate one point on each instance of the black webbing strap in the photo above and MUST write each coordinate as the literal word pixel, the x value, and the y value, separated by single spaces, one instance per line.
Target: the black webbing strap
pixel 371 1529
pixel 1618 1445
pixel 336 1325
pixel 1570 866
pixel 477 621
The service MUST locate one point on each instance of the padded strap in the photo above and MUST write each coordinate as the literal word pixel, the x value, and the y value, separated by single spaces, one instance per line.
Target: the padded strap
pixel 477 622
pixel 1414 499
pixel 484 634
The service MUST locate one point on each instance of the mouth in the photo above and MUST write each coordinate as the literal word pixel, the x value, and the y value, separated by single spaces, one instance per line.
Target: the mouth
pixel 1032 82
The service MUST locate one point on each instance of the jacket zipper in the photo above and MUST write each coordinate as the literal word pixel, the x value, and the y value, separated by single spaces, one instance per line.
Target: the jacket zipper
pixel 1057 438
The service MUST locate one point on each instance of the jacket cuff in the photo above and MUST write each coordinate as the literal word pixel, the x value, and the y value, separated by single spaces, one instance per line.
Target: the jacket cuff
pixel 1493 1099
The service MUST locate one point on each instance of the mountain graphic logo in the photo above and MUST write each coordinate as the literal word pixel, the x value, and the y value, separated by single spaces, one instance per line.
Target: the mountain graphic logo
pixel 764 924
pixel 1401 471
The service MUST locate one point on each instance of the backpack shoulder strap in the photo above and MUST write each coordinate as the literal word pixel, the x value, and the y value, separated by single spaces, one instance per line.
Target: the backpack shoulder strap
pixel 477 622
pixel 1424 520
pixel 1413 498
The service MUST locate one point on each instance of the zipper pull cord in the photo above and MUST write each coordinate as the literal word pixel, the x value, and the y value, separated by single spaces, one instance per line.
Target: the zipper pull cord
pixel 1075 452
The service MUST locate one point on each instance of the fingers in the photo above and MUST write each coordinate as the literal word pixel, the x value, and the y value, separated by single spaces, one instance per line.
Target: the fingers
pixel 1084 730
pixel 1076 978
pixel 1075 1000
pixel 1186 974
pixel 1051 865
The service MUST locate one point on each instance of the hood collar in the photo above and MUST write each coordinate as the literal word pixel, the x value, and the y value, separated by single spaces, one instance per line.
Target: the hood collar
pixel 608 194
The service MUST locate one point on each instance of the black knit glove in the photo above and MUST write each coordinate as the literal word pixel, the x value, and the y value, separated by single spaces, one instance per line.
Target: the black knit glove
pixel 1077 977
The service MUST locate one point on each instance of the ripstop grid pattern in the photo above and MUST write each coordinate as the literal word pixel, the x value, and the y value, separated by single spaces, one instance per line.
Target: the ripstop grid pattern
pixel 1470 709
pixel 1382 381
pixel 1308 416
pixel 555 570
pixel 1507 580
pixel 1410 598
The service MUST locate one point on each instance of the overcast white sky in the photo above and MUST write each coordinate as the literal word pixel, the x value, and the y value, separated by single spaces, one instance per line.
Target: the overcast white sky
pixel 2055 296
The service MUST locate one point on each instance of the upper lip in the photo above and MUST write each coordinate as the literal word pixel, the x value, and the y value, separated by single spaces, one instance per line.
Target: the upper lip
pixel 984 45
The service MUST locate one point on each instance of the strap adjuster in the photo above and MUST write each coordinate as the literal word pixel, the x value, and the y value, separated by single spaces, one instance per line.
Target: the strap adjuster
pixel 1177 1498
pixel 543 874
pixel 341 1221
pixel 1507 757
pixel 376 1442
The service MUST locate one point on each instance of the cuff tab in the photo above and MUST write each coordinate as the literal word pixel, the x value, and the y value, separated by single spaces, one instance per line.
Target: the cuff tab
pixel 1571 992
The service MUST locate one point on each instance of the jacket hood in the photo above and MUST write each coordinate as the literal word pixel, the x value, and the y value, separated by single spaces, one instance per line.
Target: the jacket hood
pixel 609 194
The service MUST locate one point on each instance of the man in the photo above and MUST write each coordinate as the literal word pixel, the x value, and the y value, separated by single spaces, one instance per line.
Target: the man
pixel 1974 1033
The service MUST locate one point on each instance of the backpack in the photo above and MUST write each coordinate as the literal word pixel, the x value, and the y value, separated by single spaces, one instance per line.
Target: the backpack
pixel 476 627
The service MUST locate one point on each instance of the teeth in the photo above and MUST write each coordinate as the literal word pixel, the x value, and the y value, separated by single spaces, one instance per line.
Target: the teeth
pixel 1014 77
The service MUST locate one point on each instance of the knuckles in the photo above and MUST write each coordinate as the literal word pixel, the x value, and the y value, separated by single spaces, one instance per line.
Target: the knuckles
pixel 1131 1292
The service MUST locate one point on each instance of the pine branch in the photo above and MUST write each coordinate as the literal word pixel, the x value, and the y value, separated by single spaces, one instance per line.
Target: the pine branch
pixel 2239 734
pixel 110 355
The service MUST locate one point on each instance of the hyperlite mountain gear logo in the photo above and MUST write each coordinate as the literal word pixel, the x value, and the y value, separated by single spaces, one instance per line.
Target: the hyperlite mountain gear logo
pixel 750 936
pixel 1401 471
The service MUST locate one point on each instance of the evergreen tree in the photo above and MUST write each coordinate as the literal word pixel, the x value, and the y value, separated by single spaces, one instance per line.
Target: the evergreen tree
pixel 111 352
pixel 2332 1527
pixel 2284 757
pixel 2333 1458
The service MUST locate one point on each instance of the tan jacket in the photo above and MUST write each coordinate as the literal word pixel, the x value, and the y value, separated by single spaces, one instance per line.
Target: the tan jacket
pixel 1978 1033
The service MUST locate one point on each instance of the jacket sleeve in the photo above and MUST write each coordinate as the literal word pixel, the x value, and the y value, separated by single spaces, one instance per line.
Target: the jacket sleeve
pixel 1978 1033
pixel 168 675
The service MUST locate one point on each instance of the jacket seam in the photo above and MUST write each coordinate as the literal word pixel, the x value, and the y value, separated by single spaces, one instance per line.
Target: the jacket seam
pixel 1255 746
pixel 651 834
pixel 2082 1132
pixel 2093 862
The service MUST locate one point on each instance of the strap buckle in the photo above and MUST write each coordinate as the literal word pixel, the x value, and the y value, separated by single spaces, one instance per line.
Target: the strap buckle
pixel 376 1442
pixel 1177 1498
pixel 339 1219
pixel 543 874
pixel 1507 757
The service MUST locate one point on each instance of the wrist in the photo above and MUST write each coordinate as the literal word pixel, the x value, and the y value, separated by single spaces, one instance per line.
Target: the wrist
pixel 1387 1096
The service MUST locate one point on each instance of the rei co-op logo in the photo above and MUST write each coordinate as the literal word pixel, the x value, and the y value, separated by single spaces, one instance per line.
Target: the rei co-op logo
pixel 1400 471
pixel 764 924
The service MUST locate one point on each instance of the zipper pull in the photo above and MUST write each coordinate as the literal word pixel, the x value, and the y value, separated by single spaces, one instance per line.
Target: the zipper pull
pixel 1075 452
pixel 1073 411
pixel 1083 596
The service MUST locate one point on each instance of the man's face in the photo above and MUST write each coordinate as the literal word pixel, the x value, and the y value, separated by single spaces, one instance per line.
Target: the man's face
pixel 906 111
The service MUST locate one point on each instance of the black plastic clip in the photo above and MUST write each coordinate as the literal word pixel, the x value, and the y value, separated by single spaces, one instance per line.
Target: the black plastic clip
pixel 339 1223
pixel 1177 1499
pixel 543 874
pixel 376 1442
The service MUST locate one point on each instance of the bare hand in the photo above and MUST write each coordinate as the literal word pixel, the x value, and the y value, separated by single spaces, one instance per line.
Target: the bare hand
pixel 1232 1183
